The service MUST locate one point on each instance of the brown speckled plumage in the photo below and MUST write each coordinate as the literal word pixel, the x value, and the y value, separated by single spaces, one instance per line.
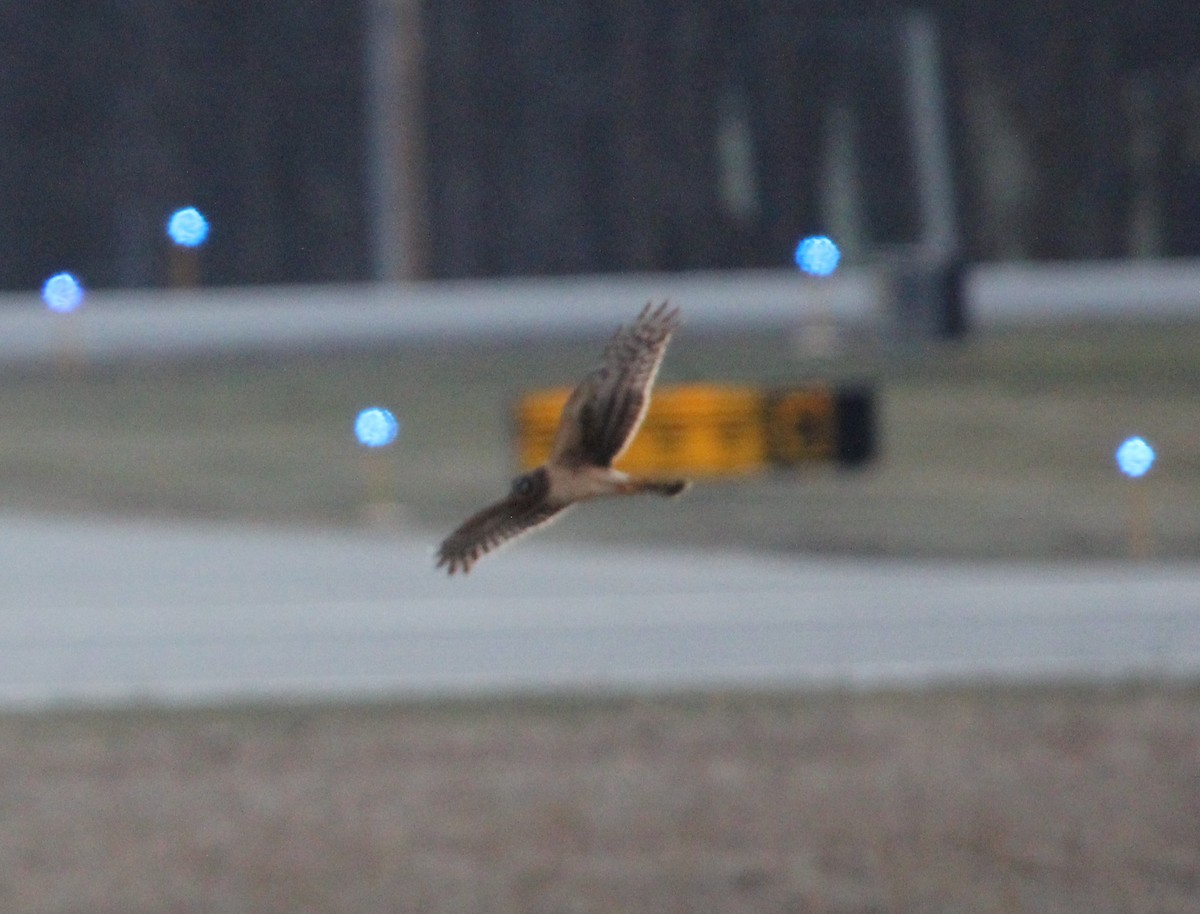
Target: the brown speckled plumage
pixel 597 423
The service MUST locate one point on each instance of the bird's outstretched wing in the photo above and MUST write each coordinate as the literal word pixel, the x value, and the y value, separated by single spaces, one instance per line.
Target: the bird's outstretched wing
pixel 495 525
pixel 604 412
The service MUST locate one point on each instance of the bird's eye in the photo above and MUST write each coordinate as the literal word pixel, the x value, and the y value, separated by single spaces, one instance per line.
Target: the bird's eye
pixel 522 485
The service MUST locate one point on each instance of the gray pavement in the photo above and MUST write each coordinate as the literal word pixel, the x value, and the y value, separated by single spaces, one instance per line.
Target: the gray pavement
pixel 103 610
pixel 114 325
pixel 154 324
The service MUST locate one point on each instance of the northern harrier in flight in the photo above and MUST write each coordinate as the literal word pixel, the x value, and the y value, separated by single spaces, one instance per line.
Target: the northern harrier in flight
pixel 598 422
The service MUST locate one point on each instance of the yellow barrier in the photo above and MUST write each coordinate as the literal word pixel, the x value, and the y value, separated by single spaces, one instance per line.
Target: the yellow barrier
pixel 694 429
pixel 721 429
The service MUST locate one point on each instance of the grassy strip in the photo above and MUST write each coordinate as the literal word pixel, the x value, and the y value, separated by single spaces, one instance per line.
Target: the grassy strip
pixel 1000 447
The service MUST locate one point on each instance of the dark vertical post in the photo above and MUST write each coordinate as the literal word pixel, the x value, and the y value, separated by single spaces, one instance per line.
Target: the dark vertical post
pixel 395 139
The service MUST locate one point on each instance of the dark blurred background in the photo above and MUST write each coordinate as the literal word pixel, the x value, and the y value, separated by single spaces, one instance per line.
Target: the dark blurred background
pixel 359 139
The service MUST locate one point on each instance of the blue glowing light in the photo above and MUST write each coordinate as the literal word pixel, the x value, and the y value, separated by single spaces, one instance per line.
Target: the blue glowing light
pixel 187 227
pixel 376 427
pixel 817 255
pixel 62 293
pixel 1135 456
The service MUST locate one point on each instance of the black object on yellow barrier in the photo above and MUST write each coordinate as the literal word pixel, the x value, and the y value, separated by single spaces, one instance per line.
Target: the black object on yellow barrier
pixel 820 422
pixel 722 429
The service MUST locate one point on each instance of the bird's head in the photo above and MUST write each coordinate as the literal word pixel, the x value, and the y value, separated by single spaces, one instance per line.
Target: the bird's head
pixel 533 484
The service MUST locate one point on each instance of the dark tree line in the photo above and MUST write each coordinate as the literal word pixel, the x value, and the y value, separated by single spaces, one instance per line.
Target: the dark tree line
pixel 1100 106
pixel 115 112
pixel 591 139
pixel 586 135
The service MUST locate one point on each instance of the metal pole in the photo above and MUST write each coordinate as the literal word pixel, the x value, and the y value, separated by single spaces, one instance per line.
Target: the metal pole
pixel 931 145
pixel 395 139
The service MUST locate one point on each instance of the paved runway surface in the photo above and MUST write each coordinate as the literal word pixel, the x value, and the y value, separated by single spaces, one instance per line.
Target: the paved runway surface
pixel 153 323
pixel 102 610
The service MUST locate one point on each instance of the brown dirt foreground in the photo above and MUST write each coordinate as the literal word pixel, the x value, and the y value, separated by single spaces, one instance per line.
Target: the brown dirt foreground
pixel 1046 799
